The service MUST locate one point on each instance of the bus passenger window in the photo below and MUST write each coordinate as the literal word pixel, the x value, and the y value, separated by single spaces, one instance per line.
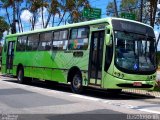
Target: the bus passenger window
pixel 45 41
pixel 32 43
pixel 74 33
pixel 60 40
pixel 82 33
pixel 79 39
pixel 21 43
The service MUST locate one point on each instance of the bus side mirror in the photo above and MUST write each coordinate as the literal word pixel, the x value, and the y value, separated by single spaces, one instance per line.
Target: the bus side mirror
pixel 108 37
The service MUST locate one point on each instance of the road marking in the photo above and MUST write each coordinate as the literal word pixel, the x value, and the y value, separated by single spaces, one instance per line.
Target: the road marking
pixel 150 111
pixel 85 97
pixel 110 102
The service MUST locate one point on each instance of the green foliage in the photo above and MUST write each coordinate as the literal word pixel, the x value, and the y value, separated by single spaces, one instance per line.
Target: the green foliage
pixel 157 87
pixel 34 5
pixel 4 26
pixel 75 7
pixel 149 8
pixel 110 9
pixel 66 9
pixel 128 6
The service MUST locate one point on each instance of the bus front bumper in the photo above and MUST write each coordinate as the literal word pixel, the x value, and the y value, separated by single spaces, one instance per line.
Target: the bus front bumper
pixel 113 82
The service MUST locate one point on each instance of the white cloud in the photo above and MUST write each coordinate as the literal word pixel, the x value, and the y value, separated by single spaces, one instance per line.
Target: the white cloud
pixel 158 6
pixel 26 16
pixel 39 23
pixel 4 35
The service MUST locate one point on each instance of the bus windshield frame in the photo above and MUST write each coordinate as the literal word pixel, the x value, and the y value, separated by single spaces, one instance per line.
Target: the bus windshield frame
pixel 135 51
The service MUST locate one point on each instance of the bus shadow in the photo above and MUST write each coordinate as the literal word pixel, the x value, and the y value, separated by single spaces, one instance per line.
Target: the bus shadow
pixel 90 92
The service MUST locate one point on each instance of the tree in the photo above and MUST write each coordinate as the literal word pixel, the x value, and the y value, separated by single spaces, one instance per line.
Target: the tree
pixel 128 6
pixel 145 10
pixel 14 5
pixel 4 26
pixel 110 9
pixel 74 9
pixel 33 6
pixel 53 9
pixel 153 9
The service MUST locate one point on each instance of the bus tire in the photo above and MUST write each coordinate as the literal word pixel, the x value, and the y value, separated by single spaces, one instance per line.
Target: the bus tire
pixel 76 83
pixel 20 76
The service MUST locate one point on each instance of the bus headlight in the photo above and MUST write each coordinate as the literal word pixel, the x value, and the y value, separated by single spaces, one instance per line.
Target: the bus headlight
pixel 152 77
pixel 119 75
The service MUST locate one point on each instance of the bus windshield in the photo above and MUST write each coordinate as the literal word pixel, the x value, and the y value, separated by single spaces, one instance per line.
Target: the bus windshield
pixel 134 52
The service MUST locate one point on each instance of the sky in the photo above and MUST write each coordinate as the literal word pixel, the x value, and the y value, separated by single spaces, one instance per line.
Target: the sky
pixel 25 16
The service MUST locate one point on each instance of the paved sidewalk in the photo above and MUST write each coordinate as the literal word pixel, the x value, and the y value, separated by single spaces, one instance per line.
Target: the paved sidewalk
pixel 143 92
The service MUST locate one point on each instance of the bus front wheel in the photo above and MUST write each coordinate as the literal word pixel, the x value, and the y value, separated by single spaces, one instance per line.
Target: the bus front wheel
pixel 76 83
pixel 20 76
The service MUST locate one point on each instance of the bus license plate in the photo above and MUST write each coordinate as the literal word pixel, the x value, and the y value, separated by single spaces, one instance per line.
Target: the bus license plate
pixel 137 84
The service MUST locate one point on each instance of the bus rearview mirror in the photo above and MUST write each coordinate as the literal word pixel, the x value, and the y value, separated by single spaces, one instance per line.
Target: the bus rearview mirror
pixel 108 39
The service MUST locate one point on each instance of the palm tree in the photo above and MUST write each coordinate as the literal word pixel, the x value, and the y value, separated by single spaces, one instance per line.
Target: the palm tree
pixel 14 4
pixel 74 8
pixel 53 9
pixel 4 26
pixel 33 7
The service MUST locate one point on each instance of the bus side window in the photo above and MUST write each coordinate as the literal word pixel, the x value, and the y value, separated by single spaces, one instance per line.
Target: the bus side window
pixel 45 41
pixel 60 40
pixel 32 42
pixel 108 55
pixel 21 43
pixel 79 38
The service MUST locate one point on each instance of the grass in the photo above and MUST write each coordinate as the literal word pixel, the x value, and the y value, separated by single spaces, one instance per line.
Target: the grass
pixel 156 89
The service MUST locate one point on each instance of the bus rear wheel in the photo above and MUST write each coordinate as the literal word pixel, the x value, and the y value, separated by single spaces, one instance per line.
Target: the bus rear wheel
pixel 20 76
pixel 76 83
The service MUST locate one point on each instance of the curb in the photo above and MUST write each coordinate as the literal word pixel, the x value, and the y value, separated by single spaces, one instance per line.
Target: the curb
pixel 143 92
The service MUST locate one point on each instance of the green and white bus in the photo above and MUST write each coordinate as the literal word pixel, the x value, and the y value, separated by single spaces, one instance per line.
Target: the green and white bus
pixel 109 53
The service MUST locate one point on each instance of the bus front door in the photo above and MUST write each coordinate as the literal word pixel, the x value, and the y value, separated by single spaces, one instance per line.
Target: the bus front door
pixel 10 56
pixel 96 57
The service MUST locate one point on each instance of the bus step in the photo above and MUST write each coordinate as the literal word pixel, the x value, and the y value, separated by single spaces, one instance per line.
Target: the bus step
pixel 94 86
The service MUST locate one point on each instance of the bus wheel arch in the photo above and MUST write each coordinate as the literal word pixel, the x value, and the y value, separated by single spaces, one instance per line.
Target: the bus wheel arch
pixel 75 77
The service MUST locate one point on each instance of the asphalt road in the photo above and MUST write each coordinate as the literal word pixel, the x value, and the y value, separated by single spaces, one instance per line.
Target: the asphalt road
pixel 39 100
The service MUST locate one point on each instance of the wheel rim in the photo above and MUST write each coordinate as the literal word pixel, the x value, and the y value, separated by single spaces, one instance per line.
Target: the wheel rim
pixel 77 82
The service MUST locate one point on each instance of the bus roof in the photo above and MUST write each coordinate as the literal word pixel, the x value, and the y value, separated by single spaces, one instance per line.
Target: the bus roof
pixel 103 20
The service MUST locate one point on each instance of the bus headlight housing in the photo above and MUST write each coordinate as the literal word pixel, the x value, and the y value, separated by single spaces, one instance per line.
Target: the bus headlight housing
pixel 118 74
